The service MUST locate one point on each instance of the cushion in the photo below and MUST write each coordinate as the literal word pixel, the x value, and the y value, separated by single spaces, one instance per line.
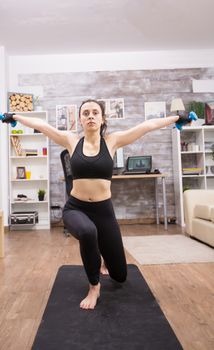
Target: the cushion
pixel 203 230
pixel 202 211
pixel 212 213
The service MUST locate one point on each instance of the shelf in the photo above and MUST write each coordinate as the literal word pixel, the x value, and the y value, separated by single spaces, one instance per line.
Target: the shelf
pixel 36 167
pixel 29 202
pixel 28 180
pixel 192 152
pixel 29 134
pixel 201 175
pixel 27 157
pixel 198 127
pixel 184 144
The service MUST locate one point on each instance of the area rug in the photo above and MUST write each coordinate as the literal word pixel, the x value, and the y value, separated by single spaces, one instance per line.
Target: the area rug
pixel 167 249
pixel 126 317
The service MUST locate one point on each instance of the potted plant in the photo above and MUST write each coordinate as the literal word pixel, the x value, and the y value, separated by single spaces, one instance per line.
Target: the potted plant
pixel 186 188
pixel 41 194
pixel 199 109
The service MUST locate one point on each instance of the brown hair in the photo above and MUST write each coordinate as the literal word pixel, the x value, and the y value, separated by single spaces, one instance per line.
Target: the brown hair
pixel 102 107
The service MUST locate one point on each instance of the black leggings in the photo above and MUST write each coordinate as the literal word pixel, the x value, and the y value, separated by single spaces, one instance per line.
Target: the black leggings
pixel 95 226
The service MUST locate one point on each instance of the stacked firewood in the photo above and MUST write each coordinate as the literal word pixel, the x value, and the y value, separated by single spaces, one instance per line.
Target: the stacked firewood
pixel 20 103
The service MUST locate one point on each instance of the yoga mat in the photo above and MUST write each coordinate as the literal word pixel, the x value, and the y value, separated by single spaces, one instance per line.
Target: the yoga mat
pixel 127 316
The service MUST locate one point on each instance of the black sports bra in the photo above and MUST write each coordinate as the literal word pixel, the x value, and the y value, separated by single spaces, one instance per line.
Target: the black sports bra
pixel 92 167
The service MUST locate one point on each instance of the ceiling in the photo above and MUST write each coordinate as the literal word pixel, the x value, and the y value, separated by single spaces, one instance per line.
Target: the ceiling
pixel 89 26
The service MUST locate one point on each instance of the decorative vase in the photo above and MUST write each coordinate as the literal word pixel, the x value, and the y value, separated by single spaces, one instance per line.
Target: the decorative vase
pixel 209 169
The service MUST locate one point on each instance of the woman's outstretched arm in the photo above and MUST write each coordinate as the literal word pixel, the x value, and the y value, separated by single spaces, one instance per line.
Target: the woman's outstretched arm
pixel 123 138
pixel 58 136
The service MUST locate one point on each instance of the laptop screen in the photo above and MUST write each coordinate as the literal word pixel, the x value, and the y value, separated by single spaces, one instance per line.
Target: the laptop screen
pixel 139 163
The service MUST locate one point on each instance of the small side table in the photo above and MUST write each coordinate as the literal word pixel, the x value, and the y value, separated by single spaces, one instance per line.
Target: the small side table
pixel 1 234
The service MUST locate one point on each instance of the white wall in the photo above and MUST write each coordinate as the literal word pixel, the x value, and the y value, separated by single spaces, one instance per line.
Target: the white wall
pixel 108 61
pixel 3 135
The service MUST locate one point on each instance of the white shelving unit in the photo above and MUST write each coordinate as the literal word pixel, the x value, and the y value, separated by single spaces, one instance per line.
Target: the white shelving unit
pixel 192 149
pixel 37 165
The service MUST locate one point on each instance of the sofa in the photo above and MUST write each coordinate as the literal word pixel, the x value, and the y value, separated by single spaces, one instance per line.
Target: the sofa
pixel 199 215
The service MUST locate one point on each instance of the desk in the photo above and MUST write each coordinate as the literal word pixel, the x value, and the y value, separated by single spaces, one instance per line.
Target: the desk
pixel 1 235
pixel 155 177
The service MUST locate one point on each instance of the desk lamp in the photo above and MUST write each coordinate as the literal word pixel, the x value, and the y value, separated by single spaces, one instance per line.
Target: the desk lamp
pixel 177 105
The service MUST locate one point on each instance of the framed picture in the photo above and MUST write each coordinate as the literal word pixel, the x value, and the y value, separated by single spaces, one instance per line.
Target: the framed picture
pixel 20 172
pixel 66 117
pixel 155 110
pixel 72 117
pixel 20 102
pixel 114 108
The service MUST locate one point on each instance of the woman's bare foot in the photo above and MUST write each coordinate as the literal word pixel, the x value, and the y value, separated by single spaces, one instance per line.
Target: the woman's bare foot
pixel 91 300
pixel 103 269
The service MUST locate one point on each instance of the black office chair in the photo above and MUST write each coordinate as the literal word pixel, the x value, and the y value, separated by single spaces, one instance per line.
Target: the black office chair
pixel 66 165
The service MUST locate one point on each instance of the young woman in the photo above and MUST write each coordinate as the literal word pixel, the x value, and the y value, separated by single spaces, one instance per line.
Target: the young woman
pixel 88 213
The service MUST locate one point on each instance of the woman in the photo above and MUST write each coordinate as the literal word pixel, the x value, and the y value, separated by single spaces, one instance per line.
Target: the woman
pixel 88 213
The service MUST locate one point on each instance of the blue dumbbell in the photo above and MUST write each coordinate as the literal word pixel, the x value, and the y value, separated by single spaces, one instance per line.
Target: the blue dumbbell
pixel 5 118
pixel 184 120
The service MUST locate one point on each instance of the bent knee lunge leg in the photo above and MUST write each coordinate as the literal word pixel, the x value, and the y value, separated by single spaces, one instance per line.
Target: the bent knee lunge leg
pixel 118 270
pixel 90 254
pixel 114 256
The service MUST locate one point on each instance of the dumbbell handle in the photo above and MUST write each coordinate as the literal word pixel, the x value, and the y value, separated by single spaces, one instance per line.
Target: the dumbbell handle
pixel 185 119
pixel 8 118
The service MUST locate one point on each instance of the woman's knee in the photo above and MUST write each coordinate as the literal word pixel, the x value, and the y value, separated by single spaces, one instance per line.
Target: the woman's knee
pixel 119 277
pixel 67 219
pixel 79 225
pixel 87 233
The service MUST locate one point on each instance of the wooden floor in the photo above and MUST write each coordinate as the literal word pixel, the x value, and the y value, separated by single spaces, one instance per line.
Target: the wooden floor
pixel 185 292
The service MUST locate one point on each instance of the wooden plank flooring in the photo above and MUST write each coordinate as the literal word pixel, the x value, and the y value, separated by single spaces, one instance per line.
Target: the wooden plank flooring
pixel 185 292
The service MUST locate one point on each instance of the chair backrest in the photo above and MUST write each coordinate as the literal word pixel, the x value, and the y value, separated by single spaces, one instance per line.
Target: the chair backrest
pixel 66 165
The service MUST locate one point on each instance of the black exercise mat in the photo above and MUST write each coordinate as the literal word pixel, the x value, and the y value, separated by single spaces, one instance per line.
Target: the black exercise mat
pixel 127 316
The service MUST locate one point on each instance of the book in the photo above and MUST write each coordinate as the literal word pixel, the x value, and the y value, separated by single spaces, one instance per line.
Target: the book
pixel 192 171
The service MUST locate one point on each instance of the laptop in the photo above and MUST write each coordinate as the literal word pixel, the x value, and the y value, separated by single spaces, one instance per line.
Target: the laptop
pixel 138 165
